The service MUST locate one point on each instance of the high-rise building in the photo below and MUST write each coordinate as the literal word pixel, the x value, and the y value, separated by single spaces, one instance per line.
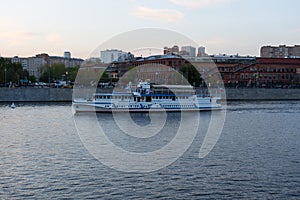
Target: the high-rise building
pixel 281 51
pixel 22 61
pixel 201 52
pixel 172 50
pixel 67 54
pixel 36 65
pixel 188 51
pixel 111 55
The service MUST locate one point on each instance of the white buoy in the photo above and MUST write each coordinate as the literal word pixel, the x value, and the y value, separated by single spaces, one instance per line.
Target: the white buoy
pixel 13 106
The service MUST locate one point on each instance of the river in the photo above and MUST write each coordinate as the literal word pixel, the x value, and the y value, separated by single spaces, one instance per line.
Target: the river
pixel 42 156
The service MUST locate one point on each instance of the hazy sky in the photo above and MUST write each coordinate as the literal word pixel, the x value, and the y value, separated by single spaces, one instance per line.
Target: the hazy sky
pixel 222 26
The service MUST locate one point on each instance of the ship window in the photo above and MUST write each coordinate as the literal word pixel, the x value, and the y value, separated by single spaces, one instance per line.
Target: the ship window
pixel 148 99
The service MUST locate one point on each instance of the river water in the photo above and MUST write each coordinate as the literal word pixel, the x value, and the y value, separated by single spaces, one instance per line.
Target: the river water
pixel 256 157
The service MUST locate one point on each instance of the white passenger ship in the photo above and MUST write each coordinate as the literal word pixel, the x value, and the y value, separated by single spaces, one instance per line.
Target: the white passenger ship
pixel 145 97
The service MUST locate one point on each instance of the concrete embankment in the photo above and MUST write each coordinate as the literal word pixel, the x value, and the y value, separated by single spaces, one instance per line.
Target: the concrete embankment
pixel 35 94
pixel 261 94
pixel 65 95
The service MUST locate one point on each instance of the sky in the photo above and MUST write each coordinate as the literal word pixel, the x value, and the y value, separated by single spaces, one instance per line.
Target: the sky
pixel 222 26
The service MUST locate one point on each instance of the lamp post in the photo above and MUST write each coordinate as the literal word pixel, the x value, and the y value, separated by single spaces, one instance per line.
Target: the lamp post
pixel 5 77
pixel 49 76
pixel 67 77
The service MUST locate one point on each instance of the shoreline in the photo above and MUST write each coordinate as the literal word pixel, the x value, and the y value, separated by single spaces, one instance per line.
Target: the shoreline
pixel 64 95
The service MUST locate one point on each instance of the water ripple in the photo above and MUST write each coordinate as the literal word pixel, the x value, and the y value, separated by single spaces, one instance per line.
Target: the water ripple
pixel 257 157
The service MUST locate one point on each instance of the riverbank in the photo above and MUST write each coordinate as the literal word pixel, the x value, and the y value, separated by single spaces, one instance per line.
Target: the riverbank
pixel 65 95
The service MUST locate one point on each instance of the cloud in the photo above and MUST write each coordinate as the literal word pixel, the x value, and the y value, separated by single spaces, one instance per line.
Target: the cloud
pixel 54 38
pixel 297 30
pixel 215 41
pixel 19 35
pixel 158 14
pixel 17 38
pixel 199 3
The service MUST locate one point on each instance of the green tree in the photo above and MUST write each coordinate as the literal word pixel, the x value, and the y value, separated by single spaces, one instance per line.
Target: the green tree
pixel 104 77
pixel 191 74
pixel 10 72
pixel 46 74
pixel 32 79
pixel 72 73
pixel 58 70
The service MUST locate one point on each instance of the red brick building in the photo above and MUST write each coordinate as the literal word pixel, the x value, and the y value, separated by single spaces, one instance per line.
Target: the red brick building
pixel 235 71
pixel 270 72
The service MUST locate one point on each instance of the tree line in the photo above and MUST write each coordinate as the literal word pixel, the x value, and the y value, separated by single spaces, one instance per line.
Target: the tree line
pixel 14 74
pixel 57 72
pixel 11 73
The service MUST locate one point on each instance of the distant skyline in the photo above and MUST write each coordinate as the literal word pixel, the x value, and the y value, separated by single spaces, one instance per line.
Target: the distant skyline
pixel 222 26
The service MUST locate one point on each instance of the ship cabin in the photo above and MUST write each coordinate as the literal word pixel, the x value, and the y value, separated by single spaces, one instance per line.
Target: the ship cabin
pixel 109 96
pixel 147 92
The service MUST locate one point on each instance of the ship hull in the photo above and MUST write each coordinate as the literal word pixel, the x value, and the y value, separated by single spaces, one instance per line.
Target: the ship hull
pixel 83 107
